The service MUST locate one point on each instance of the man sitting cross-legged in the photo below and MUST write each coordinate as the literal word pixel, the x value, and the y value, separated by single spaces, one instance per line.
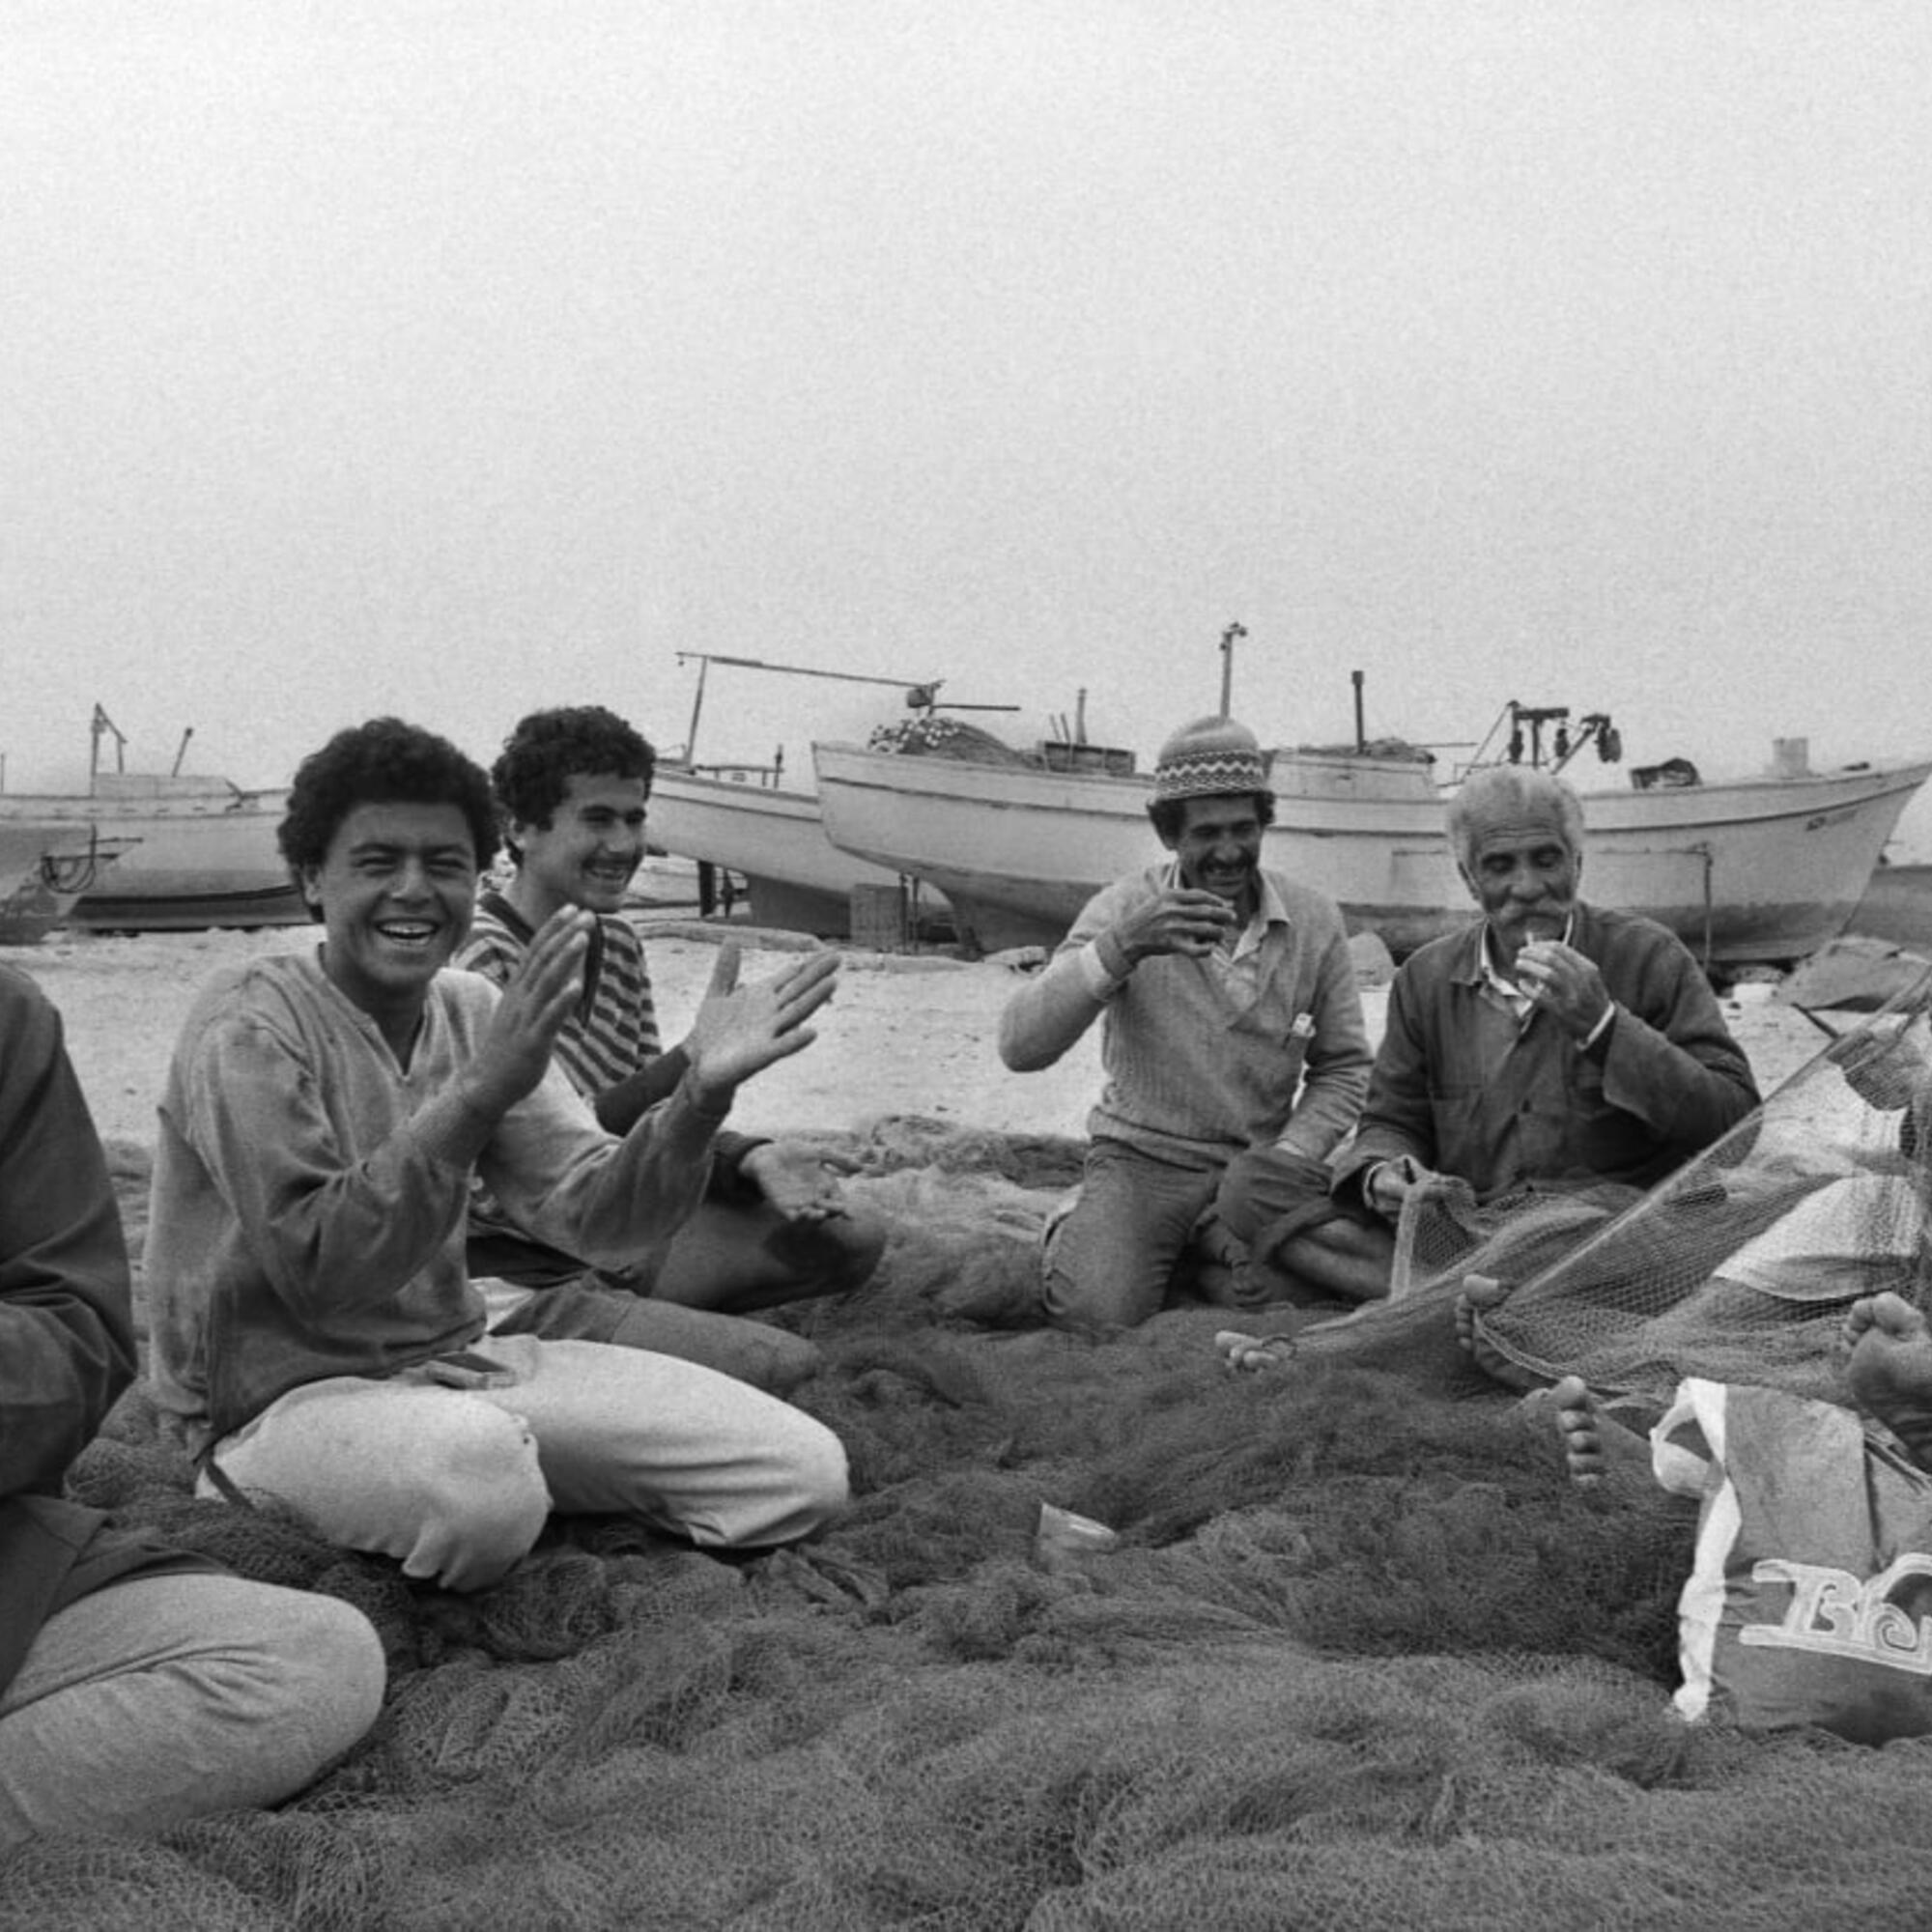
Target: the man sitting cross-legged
pixel 1551 1052
pixel 571 788
pixel 315 1334
pixel 1230 1022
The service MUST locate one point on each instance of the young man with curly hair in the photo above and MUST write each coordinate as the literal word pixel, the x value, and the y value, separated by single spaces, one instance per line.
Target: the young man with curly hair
pixel 572 785
pixel 317 1338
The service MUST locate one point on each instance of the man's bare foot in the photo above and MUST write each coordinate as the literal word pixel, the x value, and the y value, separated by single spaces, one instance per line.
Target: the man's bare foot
pixel 1252 1353
pixel 1482 1295
pixel 1890 1368
pixel 1577 1424
pixel 1596 1447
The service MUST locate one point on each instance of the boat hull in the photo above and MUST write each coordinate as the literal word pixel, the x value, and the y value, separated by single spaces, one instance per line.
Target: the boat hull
pixel 1759 870
pixel 1897 906
pixel 796 879
pixel 200 855
pixel 44 870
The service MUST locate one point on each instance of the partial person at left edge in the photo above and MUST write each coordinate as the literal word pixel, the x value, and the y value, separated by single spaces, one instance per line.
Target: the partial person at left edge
pixel 139 1686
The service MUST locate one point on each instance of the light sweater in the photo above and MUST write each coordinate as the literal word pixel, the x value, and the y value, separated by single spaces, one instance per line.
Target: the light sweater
pixel 308 1211
pixel 1200 1063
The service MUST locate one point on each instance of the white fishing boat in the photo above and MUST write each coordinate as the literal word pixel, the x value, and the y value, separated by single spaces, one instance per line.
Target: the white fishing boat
pixel 193 851
pixel 743 823
pixel 44 869
pixel 1758 870
pixel 204 851
pixel 208 857
pixel 771 838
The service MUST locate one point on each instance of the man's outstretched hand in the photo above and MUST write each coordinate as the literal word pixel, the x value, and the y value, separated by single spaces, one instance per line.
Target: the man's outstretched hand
pixel 800 1180
pixel 741 1030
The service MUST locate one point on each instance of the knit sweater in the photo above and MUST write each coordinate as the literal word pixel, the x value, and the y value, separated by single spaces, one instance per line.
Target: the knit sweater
pixel 1200 1064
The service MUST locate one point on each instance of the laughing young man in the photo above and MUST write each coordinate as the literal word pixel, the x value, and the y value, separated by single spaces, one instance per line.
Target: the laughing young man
pixel 1231 1020
pixel 317 1338
pixel 572 787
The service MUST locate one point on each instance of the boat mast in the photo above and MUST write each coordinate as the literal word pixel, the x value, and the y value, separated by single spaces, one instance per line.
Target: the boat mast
pixel 1228 637
pixel 99 725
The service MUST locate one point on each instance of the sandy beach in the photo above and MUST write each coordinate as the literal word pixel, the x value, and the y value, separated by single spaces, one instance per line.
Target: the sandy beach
pixel 906 1033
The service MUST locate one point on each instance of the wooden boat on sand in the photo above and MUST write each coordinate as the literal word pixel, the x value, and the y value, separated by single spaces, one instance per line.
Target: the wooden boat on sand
pixel 200 851
pixel 773 838
pixel 1760 870
pixel 44 869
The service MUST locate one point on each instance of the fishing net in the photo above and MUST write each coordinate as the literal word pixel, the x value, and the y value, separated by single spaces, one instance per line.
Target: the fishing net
pixel 1360 1656
pixel 1737 1268
pixel 932 735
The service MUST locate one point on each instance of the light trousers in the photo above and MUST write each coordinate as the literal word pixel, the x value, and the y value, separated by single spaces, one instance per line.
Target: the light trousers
pixel 456 1483
pixel 161 1698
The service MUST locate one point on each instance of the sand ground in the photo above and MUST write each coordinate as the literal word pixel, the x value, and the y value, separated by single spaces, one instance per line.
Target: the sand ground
pixel 905 1033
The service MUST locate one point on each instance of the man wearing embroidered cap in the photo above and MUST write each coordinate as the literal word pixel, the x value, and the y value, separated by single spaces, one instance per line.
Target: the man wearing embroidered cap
pixel 1230 1021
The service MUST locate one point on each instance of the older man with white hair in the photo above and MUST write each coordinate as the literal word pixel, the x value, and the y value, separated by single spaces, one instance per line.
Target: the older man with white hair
pixel 1230 1020
pixel 1551 1046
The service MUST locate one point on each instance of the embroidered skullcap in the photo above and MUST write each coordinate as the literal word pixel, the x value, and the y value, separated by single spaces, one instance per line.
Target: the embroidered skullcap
pixel 1209 758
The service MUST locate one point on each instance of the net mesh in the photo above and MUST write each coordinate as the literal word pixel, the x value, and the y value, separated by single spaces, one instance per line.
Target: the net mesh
pixel 1361 1658
pixel 1737 1267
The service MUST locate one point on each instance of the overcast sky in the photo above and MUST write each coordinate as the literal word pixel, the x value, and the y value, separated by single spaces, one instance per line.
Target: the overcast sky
pixel 455 360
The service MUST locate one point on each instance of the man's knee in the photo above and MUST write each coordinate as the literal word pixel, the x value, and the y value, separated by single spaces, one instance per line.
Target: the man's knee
pixel 480 1497
pixel 823 1478
pixel 807 1482
pixel 1092 1301
pixel 1262 1184
pixel 835 1255
pixel 325 1663
pixel 860 1238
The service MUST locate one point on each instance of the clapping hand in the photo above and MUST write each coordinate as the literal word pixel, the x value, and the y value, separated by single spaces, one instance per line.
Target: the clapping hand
pixel 741 1030
pixel 539 997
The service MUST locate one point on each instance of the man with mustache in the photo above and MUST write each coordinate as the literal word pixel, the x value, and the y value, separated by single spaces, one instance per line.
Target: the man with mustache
pixel 1550 1046
pixel 1231 1020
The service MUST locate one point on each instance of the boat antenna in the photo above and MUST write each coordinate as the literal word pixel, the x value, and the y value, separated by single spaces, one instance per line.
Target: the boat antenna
pixel 1228 637
pixel 1361 737
pixel 100 725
